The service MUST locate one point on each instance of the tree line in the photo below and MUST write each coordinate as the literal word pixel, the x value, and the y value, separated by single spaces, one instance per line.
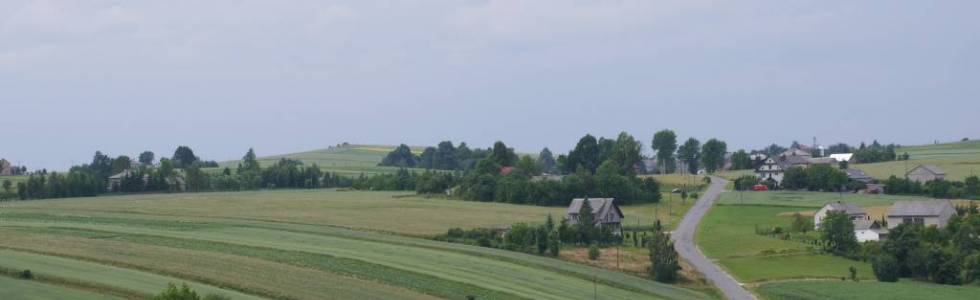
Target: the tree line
pixel 969 188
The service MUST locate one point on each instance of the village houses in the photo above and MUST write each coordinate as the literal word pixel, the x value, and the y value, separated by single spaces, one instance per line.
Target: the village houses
pixel 606 211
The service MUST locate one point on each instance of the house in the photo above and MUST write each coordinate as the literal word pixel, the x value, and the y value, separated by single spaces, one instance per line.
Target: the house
pixel 840 157
pixel 868 230
pixel 605 210
pixel 547 177
pixel 796 152
pixel 858 175
pixel 115 181
pixel 504 171
pixel 771 170
pixel 926 213
pixel 822 161
pixel 853 211
pixel 923 173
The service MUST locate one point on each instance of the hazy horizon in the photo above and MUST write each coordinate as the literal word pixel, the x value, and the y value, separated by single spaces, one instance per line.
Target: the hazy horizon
pixel 223 76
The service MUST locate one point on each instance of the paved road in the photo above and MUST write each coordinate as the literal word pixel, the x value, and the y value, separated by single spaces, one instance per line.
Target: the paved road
pixel 684 243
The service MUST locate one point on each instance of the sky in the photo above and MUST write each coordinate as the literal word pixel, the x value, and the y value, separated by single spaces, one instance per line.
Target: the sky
pixel 289 76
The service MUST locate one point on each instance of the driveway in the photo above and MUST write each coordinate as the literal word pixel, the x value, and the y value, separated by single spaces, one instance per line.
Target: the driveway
pixel 684 244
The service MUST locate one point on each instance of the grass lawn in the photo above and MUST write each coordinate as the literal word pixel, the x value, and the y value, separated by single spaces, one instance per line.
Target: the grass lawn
pixel 297 244
pixel 350 160
pixel 866 290
pixel 11 288
pixel 808 199
pixel 669 211
pixel 959 160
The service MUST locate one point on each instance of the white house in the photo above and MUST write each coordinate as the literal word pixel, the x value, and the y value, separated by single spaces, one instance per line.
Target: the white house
pixel 770 169
pixel 853 211
pixel 927 213
pixel 923 173
pixel 868 230
pixel 839 157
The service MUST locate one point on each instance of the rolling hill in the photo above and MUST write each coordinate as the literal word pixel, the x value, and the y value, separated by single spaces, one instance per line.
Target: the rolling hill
pixel 959 160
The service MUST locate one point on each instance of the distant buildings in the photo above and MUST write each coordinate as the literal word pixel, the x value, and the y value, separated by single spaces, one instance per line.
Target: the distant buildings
pixel 926 213
pixel 605 210
pixel 923 173
pixel 853 211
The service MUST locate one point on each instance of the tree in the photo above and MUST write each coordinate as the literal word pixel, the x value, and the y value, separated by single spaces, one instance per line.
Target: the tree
pixel 146 158
pixel 593 252
pixel 741 160
pixel 177 293
pixel 503 156
pixel 626 154
pixel 837 232
pixel 942 266
pixel 713 155
pixel 445 156
pixel 401 156
pixel 101 165
pixel 663 258
pixel 183 157
pixel 664 144
pixel 774 150
pixel 885 268
pixel 546 161
pixel 586 223
pixel 690 153
pixel 120 164
pixel 794 178
pixel 585 155
pixel 554 243
pixel 7 185
pixel 527 166
pixel 250 164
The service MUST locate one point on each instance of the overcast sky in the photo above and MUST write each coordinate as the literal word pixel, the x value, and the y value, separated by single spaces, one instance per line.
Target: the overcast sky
pixel 288 76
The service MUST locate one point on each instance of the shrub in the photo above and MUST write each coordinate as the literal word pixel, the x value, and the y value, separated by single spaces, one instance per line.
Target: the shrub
pixel 26 274
pixel 174 293
pixel 593 252
pixel 885 268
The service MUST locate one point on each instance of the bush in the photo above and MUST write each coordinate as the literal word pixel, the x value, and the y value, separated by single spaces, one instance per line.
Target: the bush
pixel 885 268
pixel 174 293
pixel 26 274
pixel 593 252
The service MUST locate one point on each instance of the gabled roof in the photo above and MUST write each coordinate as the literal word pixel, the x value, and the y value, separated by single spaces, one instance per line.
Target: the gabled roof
pixel 856 174
pixel 935 170
pixel 930 208
pixel 600 207
pixel 869 224
pixel 848 208
pixel 795 152
pixel 822 160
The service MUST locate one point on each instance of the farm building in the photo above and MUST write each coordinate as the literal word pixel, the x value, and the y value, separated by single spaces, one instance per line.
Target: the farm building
pixel 855 212
pixel 858 175
pixel 605 210
pixel 933 212
pixel 923 173
pixel 868 230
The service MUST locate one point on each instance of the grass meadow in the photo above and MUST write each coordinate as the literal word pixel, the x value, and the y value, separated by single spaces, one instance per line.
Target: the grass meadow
pixel 959 160
pixel 349 160
pixel 867 290
pixel 294 245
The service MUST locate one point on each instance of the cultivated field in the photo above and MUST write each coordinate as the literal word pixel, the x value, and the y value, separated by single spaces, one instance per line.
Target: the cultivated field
pixel 293 245
pixel 959 160
pixel 350 160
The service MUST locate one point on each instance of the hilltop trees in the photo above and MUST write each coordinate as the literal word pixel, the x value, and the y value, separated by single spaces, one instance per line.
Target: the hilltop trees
pixel 546 161
pixel 713 155
pixel 502 155
pixel 146 158
pixel 626 154
pixel 183 157
pixel 741 160
pixel 690 153
pixel 400 157
pixel 585 156
pixel 664 144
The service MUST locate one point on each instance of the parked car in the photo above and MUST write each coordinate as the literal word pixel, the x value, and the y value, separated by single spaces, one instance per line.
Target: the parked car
pixel 760 187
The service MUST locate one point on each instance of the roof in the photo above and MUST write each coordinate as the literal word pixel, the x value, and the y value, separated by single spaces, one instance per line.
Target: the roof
pixel 856 174
pixel 935 170
pixel 842 156
pixel 920 208
pixel 600 207
pixel 849 208
pixel 795 152
pixel 869 224
pixel 822 160
pixel 506 170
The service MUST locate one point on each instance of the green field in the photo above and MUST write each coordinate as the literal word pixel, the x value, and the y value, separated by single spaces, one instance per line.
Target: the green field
pixel 350 160
pixel 298 245
pixel 808 199
pixel 11 288
pixel 959 160
pixel 866 290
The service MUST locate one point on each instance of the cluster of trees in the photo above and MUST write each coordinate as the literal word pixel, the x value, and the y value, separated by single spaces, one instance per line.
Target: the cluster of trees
pixel 184 292
pixel 877 153
pixel 612 173
pixel 950 255
pixel 664 263
pixel 444 156
pixel 968 188
pixel 57 185
pixel 711 155
pixel 818 177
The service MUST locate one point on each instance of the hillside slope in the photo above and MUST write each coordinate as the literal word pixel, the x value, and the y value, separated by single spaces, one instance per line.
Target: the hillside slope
pixel 959 160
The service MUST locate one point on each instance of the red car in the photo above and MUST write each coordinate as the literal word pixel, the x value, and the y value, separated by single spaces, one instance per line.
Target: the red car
pixel 760 187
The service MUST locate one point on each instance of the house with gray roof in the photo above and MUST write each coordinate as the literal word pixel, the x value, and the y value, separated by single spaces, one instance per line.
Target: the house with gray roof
pixel 858 175
pixel 869 230
pixel 853 211
pixel 923 173
pixel 927 213
pixel 605 210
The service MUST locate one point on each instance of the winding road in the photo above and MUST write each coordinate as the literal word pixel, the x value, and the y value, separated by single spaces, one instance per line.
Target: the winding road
pixel 684 244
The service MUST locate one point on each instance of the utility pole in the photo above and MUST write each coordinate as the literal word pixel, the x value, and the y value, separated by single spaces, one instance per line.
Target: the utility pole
pixel 595 288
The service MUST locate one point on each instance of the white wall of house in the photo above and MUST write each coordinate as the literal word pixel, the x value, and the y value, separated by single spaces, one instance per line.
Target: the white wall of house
pixel 864 235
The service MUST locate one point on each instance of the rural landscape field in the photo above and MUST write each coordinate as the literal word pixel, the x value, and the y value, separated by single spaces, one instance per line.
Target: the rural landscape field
pixel 489 150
